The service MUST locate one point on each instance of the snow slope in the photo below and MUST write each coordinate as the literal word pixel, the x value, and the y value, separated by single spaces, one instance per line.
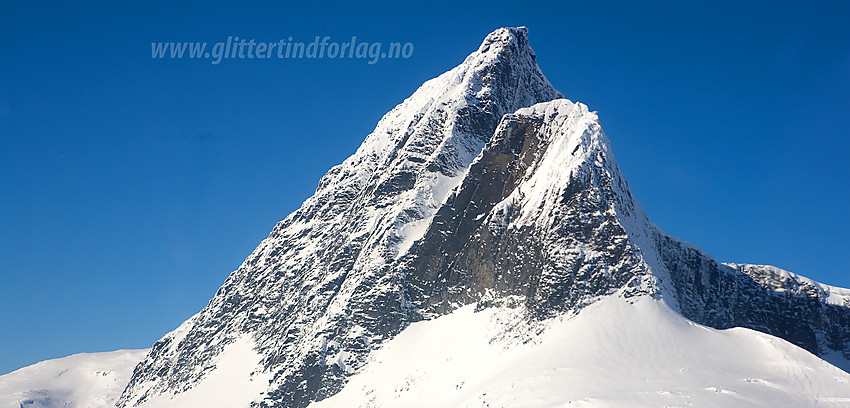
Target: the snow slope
pixel 86 380
pixel 235 372
pixel 614 353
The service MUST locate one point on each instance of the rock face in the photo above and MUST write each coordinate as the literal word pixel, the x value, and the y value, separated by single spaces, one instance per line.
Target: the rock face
pixel 813 316
pixel 543 213
pixel 482 186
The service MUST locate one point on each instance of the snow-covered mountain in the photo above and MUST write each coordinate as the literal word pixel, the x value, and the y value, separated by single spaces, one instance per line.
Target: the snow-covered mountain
pixel 482 248
pixel 322 290
pixel 86 380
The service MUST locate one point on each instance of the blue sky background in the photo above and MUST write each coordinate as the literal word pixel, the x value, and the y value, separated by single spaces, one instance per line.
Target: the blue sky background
pixel 131 187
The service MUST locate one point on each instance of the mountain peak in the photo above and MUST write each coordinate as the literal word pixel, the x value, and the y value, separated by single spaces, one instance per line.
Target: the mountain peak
pixel 505 37
pixel 505 46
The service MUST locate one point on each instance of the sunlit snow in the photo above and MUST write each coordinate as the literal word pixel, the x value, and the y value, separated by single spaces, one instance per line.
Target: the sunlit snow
pixel 612 354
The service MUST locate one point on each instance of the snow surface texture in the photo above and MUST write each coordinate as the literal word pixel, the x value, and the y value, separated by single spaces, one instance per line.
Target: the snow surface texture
pixel 87 380
pixel 615 353
pixel 485 188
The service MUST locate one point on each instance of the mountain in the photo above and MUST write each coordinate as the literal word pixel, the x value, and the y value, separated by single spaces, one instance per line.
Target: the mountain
pixel 86 380
pixel 487 190
pixel 322 287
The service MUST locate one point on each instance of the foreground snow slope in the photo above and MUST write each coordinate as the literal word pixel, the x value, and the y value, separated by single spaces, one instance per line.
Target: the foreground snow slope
pixel 615 353
pixel 86 380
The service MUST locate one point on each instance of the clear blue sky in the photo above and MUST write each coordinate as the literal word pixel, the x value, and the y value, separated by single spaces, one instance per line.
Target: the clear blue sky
pixel 131 187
